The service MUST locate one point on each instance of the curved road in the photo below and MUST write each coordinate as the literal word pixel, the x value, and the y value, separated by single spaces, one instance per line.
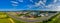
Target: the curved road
pixel 37 20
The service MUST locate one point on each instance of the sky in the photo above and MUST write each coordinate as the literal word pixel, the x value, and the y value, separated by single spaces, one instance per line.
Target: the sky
pixel 17 5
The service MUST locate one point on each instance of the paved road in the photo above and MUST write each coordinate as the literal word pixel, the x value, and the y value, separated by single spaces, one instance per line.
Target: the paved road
pixel 36 20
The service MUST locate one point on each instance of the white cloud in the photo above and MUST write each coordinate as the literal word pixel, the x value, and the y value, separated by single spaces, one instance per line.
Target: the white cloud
pixel 58 8
pixel 14 2
pixel 54 7
pixel 14 5
pixel 39 3
pixel 20 0
pixel 44 1
pixel 55 1
pixel 59 0
pixel 51 7
pixel 30 6
pixel 31 0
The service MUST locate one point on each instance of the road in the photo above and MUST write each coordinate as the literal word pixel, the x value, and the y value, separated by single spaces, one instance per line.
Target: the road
pixel 44 18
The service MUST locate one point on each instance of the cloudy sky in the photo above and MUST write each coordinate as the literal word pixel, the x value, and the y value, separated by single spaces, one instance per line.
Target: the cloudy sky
pixel 15 5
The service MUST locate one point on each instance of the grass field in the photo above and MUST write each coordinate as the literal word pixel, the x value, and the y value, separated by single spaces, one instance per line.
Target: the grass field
pixel 55 19
pixel 5 20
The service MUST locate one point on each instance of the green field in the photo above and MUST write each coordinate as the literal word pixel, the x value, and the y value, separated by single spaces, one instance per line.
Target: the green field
pixel 6 20
pixel 56 19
